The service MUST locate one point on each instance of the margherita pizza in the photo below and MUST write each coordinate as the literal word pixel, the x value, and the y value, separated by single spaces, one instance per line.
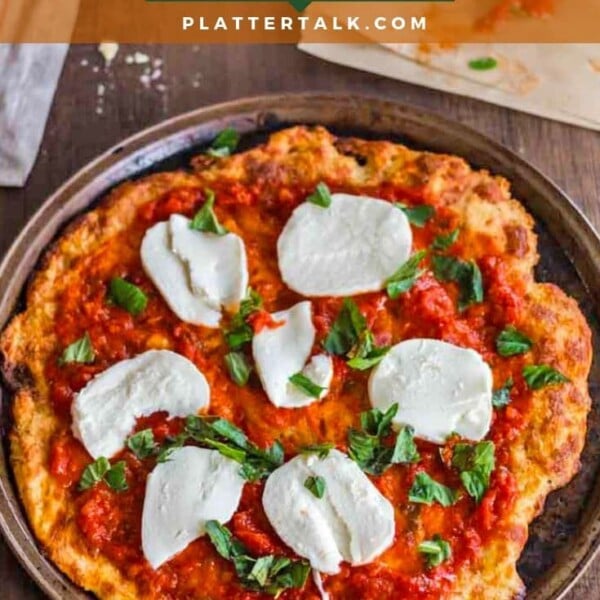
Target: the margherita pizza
pixel 321 368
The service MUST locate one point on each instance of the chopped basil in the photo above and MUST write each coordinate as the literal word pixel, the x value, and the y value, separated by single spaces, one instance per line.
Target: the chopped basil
pixel 466 274
pixel 436 551
pixel 306 385
pixel 346 329
pixel 225 143
pixel 127 295
pixel 501 397
pixel 115 477
pixel 539 376
pixel 172 443
pixel 511 342
pixel 365 354
pixel 316 486
pixel 350 336
pixel 269 574
pixel 417 215
pixel 443 242
pixel 367 448
pixel 321 196
pixel 426 490
pixel 80 351
pixel 406 275
pixel 238 367
pixel 206 219
pixel 485 63
pixel 240 332
pixel 232 442
pixel 142 443
pixel 321 450
pixel 94 473
pixel 475 463
pixel 101 470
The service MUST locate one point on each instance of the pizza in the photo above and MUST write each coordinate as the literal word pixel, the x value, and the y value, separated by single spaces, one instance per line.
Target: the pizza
pixel 319 368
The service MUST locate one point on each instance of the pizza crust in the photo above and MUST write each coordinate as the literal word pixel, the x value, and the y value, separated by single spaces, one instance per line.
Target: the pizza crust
pixel 544 457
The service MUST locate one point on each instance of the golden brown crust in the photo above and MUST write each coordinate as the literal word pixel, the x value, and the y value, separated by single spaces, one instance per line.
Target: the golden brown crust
pixel 543 457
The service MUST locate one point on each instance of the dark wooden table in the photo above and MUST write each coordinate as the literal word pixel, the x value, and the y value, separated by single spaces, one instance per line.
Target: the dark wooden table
pixel 96 107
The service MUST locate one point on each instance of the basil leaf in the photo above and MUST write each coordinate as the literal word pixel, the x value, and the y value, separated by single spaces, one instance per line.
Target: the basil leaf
pixel 406 276
pixel 511 342
pixel 321 450
pixel 269 574
pixel 171 444
pixel 232 442
pixel 417 215
pixel 466 274
pixel 475 463
pixel 321 196
pixel 306 385
pixel 142 444
pixel 127 295
pixel 115 477
pixel 436 551
pixel 443 242
pixel 225 143
pixel 367 447
pixel 485 63
pixel 501 397
pixel 366 355
pixel 240 332
pixel 405 449
pixel 346 329
pixel 539 376
pixel 426 490
pixel 206 219
pixel 316 486
pixel 80 351
pixel 100 470
pixel 94 473
pixel 238 367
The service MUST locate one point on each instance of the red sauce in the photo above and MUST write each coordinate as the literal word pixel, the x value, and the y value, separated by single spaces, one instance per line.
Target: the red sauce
pixel 110 521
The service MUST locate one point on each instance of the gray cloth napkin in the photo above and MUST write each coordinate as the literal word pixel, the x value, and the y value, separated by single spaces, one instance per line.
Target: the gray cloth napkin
pixel 28 77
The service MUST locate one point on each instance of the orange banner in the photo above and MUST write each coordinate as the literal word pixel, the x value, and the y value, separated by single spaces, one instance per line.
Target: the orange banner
pixel 156 21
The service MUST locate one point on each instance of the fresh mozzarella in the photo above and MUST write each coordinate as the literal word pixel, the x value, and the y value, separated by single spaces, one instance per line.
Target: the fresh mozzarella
pixel 440 389
pixel 169 274
pixel 352 522
pixel 351 247
pixel 283 351
pixel 105 411
pixel 194 486
pixel 196 272
pixel 217 263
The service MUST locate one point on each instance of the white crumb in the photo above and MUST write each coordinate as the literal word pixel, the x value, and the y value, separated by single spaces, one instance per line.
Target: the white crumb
pixel 108 50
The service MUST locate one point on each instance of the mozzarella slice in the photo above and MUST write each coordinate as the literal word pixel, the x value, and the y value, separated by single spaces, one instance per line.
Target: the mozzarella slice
pixel 196 272
pixel 194 486
pixel 283 351
pixel 217 263
pixel 105 411
pixel 169 274
pixel 352 522
pixel 351 247
pixel 440 389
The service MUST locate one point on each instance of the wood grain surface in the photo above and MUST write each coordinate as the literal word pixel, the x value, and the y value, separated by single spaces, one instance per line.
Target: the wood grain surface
pixel 95 107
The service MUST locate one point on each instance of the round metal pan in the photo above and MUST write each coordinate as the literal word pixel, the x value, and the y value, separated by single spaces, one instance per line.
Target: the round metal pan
pixel 565 538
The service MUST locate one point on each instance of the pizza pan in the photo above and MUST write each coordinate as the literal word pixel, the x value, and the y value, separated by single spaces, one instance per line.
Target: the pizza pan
pixel 565 538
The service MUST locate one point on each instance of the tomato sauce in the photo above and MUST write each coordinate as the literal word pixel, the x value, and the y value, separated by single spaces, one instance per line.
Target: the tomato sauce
pixel 110 522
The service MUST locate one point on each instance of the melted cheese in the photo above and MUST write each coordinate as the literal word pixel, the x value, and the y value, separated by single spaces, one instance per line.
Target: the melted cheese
pixel 352 522
pixel 283 351
pixel 194 486
pixel 351 247
pixel 105 411
pixel 196 272
pixel 440 389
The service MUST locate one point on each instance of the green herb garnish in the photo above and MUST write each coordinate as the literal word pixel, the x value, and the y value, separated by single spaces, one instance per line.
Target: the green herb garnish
pixel 321 196
pixel 206 219
pixel 406 275
pixel 511 342
pixel 426 490
pixel 475 463
pixel 316 486
pixel 80 351
pixel 127 295
pixel 225 143
pixel 539 376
